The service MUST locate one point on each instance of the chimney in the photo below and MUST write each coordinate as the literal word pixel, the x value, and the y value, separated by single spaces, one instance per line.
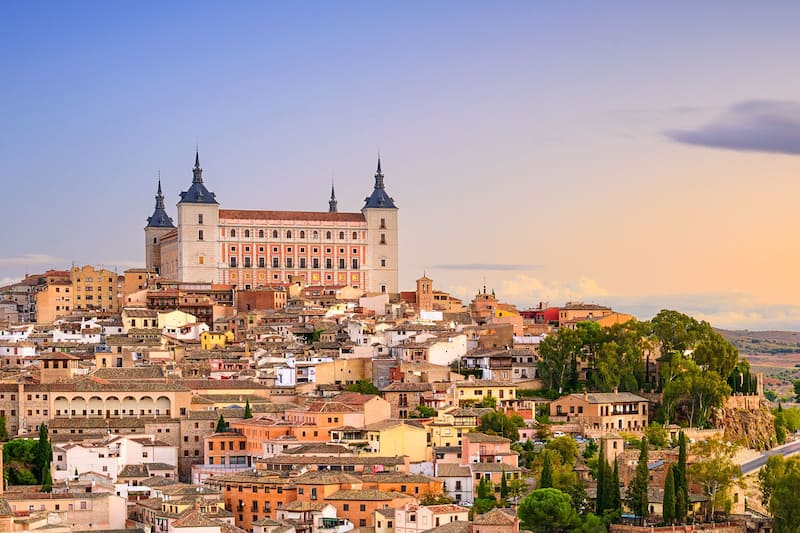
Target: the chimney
pixel 585 395
pixel 616 390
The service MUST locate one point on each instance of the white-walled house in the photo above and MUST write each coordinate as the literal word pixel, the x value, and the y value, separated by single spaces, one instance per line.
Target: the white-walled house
pixel 110 456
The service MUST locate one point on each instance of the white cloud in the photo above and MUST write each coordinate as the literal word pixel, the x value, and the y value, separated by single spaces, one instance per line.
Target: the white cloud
pixel 25 260
pixel 526 290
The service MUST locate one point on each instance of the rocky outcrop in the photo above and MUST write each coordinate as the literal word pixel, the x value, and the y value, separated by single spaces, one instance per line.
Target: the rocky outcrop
pixel 752 427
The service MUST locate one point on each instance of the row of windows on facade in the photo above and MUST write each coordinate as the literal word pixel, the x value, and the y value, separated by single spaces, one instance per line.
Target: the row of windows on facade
pixel 289 261
pixel 201 235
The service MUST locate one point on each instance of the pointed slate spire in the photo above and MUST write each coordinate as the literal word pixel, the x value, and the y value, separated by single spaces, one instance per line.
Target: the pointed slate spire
pixel 197 171
pixel 197 193
pixel 159 218
pixel 379 198
pixel 333 205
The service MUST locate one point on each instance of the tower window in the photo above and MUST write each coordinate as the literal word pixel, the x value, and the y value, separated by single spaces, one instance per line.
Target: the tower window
pixel 383 262
pixel 200 218
pixel 274 234
pixel 315 235
pixel 233 233
pixel 327 234
pixel 261 234
pixel 247 233
pixel 289 234
pixel 383 238
pixel 383 288
pixel 341 235
pixel 383 223
pixel 200 235
pixel 302 234
pixel 201 260
pixel 155 240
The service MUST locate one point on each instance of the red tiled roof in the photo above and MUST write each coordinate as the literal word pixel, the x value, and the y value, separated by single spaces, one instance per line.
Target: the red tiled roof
pixel 242 214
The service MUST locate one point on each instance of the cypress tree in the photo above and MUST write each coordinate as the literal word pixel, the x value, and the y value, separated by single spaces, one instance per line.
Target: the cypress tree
pixel 503 486
pixel 221 425
pixel 637 489
pixel 546 479
pixel 248 413
pixel 602 475
pixel 615 499
pixel 44 451
pixel 47 479
pixel 681 483
pixel 669 497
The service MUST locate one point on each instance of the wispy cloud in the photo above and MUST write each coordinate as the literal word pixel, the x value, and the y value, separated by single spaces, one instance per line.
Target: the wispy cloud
pixel 29 260
pixel 752 126
pixel 525 290
pixel 485 266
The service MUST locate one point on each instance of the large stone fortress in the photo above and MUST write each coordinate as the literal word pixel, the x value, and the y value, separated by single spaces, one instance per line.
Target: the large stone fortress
pixel 251 249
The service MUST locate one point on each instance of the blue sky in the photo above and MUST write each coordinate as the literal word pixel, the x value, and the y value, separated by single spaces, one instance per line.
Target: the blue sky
pixel 639 154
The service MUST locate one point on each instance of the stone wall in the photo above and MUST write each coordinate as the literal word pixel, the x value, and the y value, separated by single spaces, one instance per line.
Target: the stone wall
pixel 716 528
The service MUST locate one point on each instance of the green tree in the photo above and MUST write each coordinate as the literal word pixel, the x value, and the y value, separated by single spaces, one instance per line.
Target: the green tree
pixel 556 356
pixel 3 429
pixel 364 387
pixel 668 504
pixel 796 384
pixel 592 524
pixel 503 486
pixel 779 479
pixel 47 479
pixel 657 435
pixel 548 511
pixel 616 497
pixel 715 472
pixel 248 413
pixel 489 402
pixel 222 426
pixel 637 489
pixel 497 423
pixel 437 498
pixel 566 448
pixel 423 411
pixel 546 477
pixel 485 500
pixel 603 475
pixel 681 482
pixel 44 451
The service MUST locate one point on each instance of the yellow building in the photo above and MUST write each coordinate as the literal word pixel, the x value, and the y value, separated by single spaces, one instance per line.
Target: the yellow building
pixel 214 339
pixel 344 371
pixel 472 391
pixel 97 289
pixel 387 438
pixel 450 424
pixel 175 319
pixel 53 301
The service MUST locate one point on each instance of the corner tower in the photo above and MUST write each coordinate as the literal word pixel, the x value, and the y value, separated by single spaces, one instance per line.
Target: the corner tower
pixel 382 255
pixel 198 231
pixel 158 224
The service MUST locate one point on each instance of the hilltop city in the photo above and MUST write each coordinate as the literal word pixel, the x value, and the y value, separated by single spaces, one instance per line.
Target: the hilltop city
pixel 264 371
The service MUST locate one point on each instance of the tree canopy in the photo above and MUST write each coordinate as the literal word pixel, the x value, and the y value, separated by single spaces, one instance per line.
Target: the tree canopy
pixel 548 510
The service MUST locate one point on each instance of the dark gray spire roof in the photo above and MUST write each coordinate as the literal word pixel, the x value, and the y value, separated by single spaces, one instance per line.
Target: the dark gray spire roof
pixel 333 205
pixel 379 198
pixel 159 218
pixel 197 193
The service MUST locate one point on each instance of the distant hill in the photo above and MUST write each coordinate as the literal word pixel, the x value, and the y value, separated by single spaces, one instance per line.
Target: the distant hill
pixel 763 342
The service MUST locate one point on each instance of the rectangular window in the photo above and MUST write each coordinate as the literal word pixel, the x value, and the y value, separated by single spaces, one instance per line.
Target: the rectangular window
pixel 355 264
pixel 315 262
pixel 200 219
pixel 383 262
pixel 247 262
pixel 341 262
pixel 289 262
pixel 302 262
pixel 233 262
pixel 328 263
pixel 261 262
pixel 383 238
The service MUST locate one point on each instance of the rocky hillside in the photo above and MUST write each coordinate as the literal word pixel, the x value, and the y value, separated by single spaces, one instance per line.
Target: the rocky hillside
pixel 753 427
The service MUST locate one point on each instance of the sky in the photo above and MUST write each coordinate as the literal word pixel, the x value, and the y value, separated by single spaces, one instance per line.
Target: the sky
pixel 644 155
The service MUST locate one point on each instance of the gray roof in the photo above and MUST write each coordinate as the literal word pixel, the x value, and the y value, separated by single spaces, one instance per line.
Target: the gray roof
pixel 379 197
pixel 159 218
pixel 197 193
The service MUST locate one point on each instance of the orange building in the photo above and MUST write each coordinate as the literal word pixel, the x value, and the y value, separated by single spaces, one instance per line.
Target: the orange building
pixel 359 506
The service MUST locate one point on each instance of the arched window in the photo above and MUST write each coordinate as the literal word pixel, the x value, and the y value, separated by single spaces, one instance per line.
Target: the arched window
pixel 274 234
pixel 315 235
pixel 288 234
pixel 247 233
pixel 355 235
pixel 261 234
pixel 341 235
pixel 233 233
pixel 328 235
pixel 302 234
